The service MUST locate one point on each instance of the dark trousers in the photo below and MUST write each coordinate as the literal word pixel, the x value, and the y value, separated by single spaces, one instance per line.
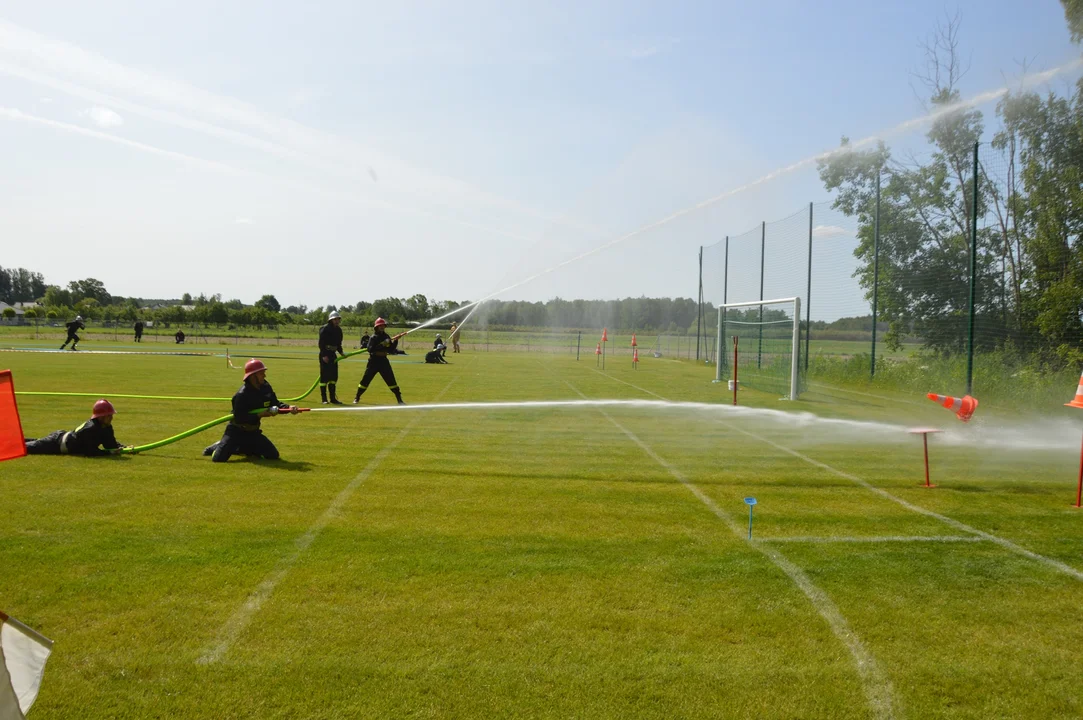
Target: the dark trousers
pixel 382 367
pixel 139 337
pixel 244 442
pixel 328 369
pixel 73 339
pixel 48 445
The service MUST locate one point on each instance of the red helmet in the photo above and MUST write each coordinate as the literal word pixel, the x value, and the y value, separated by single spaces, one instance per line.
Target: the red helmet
pixel 102 408
pixel 252 367
pixel 380 322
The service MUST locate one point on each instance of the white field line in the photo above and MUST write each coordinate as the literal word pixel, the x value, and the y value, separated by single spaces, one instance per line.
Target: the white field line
pixel 877 686
pixel 951 522
pixel 876 539
pixel 240 619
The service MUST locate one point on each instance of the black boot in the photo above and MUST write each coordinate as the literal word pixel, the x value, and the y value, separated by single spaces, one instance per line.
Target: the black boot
pixel 398 396
pixel 323 392
pixel 334 397
pixel 357 397
pixel 209 450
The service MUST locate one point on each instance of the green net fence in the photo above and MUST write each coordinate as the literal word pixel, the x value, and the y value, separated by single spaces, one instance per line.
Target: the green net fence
pixel 918 279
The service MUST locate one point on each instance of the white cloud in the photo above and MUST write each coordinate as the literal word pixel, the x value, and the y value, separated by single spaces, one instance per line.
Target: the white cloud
pixel 826 231
pixel 102 117
pixel 243 221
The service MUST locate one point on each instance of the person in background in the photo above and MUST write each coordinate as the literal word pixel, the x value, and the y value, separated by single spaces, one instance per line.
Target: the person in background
pixel 380 346
pixel 330 343
pixel 139 331
pixel 454 337
pixel 179 337
pixel 73 327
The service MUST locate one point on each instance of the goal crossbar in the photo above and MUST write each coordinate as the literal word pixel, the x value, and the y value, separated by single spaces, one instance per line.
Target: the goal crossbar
pixel 795 362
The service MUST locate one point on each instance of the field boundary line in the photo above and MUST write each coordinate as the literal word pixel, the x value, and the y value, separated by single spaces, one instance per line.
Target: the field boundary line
pixel 875 684
pixel 876 539
pixel 240 619
pixel 1006 544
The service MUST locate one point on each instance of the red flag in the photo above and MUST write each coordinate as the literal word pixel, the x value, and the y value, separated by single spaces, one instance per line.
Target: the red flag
pixel 605 335
pixel 12 443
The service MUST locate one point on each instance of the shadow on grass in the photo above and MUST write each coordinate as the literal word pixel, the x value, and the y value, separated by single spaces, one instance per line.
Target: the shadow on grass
pixel 280 464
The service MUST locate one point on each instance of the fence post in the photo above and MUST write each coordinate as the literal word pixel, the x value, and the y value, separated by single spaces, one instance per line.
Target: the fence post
pixel 875 274
pixel 699 305
pixel 578 340
pixel 973 277
pixel 808 291
pixel 763 247
pixel 725 291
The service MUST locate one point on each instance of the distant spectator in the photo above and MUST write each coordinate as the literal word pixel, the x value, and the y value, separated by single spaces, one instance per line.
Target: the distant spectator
pixel 364 341
pixel 455 337
pixel 139 331
pixel 179 336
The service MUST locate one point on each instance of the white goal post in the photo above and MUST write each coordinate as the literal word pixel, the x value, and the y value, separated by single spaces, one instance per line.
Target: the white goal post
pixel 795 363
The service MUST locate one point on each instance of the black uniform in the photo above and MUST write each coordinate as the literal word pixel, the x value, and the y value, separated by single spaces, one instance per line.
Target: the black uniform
pixel 380 346
pixel 243 434
pixel 73 327
pixel 84 440
pixel 138 331
pixel 436 355
pixel 179 337
pixel 330 343
pixel 364 341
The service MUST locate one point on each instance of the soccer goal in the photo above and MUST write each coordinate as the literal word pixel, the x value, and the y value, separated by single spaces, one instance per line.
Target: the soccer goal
pixel 768 347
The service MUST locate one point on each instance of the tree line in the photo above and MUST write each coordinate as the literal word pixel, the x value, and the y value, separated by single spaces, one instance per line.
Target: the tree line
pixel 1024 222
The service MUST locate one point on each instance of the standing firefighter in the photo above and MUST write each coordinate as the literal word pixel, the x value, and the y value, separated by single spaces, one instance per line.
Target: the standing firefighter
pixel 330 343
pixel 455 337
pixel 380 346
pixel 243 434
pixel 92 438
pixel 139 331
pixel 73 327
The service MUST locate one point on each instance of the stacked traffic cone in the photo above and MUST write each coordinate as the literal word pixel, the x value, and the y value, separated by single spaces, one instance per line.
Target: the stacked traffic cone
pixel 605 335
pixel 963 407
pixel 1078 402
pixel 633 339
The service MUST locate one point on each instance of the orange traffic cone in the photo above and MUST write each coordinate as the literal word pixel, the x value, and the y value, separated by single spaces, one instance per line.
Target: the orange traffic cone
pixel 1078 402
pixel 635 355
pixel 598 350
pixel 605 335
pixel 963 407
pixel 633 339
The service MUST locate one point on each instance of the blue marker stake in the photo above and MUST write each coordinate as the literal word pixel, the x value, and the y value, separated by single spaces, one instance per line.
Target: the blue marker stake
pixel 750 502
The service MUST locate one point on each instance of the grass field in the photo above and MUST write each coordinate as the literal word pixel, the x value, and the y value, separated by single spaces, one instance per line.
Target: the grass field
pixel 572 561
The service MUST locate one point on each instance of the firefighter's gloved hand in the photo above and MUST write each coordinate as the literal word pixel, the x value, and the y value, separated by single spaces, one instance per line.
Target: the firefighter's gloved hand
pixel 273 410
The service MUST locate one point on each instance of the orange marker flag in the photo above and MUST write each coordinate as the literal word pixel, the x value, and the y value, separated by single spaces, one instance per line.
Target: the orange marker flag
pixel 12 443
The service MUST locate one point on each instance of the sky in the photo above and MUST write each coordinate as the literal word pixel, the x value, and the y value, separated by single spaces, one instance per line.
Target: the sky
pixel 330 152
